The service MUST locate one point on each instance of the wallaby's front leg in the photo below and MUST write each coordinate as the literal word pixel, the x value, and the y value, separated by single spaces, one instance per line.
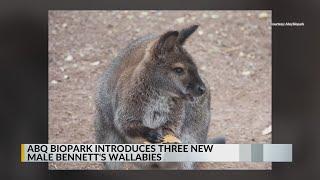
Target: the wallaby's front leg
pixel 129 123
pixel 135 129
pixel 167 134
pixel 172 128
pixel 153 136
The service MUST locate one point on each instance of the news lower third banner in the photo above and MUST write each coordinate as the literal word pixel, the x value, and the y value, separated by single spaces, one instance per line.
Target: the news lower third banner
pixel 156 152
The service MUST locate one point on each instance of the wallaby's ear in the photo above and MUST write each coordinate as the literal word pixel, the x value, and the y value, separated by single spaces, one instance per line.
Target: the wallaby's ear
pixel 185 33
pixel 166 42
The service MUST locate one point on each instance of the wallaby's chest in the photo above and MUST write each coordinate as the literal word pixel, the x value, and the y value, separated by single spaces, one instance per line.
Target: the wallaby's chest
pixel 158 111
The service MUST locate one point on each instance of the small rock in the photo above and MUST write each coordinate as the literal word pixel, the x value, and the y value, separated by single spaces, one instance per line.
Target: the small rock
pixel 54 82
pixel 144 13
pixel 246 73
pixel 180 20
pixel 203 68
pixel 64 25
pixel 267 130
pixel 251 56
pixel 204 15
pixel 68 58
pixel 214 16
pixel 263 15
pixel 241 54
pixel 200 33
pixel 65 77
pixel 95 63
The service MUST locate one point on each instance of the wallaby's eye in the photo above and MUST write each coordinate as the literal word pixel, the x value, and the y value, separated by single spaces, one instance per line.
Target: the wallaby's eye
pixel 178 70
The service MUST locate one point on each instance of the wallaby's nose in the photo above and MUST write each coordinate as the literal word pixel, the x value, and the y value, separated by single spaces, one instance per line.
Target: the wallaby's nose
pixel 201 89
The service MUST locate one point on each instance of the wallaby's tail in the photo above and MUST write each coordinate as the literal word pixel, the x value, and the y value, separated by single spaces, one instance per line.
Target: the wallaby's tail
pixel 217 140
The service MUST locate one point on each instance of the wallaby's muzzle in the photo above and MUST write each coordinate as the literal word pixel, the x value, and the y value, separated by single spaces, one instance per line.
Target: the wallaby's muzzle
pixel 195 90
pixel 200 89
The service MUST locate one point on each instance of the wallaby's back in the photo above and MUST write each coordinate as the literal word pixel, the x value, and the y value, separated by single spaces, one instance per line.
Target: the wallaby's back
pixel 127 60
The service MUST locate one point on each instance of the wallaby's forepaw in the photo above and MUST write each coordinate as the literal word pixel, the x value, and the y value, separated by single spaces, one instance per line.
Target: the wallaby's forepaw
pixel 154 137
pixel 170 139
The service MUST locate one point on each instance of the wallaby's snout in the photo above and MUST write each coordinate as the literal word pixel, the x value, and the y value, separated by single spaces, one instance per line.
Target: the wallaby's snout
pixel 200 89
pixel 196 88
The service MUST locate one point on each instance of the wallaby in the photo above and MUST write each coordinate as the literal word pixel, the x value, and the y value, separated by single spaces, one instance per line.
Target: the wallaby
pixel 152 92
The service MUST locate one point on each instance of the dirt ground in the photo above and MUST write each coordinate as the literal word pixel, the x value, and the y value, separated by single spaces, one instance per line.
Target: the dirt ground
pixel 231 48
